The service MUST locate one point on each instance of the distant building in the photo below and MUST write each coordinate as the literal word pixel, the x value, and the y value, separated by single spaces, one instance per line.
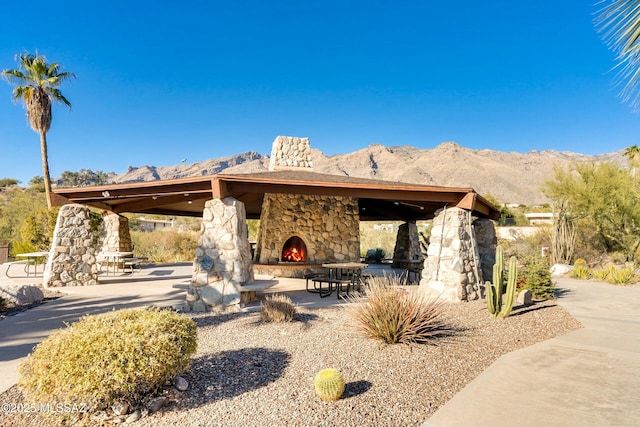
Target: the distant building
pixel 155 224
pixel 540 218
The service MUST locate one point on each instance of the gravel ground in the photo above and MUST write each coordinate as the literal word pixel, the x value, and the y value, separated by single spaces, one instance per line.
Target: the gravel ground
pixel 249 373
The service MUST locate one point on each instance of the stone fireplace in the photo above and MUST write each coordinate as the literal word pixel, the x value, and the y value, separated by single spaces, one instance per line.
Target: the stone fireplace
pixel 294 250
pixel 298 233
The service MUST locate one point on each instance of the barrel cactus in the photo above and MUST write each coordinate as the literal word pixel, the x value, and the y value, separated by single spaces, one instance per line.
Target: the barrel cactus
pixel 497 307
pixel 329 384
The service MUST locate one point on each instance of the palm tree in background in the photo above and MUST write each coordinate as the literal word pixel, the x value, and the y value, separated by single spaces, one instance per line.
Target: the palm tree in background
pixel 37 86
pixel 633 154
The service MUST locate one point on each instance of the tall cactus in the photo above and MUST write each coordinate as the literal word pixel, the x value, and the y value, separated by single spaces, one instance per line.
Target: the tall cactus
pixel 498 308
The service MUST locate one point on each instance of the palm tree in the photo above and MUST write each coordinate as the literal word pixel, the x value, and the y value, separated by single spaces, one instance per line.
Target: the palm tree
pixel 633 154
pixel 37 85
pixel 619 22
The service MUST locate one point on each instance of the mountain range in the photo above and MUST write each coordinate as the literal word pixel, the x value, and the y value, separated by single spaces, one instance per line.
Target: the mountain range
pixel 510 177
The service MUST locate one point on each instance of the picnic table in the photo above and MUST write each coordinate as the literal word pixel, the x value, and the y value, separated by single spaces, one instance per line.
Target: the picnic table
pixel 116 261
pixel 342 277
pixel 31 259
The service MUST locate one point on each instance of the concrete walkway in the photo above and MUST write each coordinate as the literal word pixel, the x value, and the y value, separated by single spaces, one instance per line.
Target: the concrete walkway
pixel 589 377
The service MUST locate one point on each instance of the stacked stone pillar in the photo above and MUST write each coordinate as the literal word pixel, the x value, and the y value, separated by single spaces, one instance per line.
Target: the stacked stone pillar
pixel 452 270
pixel 223 257
pixel 487 241
pixel 72 260
pixel 115 235
pixel 407 245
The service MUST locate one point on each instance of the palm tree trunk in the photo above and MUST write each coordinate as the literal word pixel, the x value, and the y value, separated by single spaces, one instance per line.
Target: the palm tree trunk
pixel 45 167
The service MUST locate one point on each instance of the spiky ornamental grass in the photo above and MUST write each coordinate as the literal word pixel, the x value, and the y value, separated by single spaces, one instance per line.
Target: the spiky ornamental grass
pixel 121 355
pixel 277 308
pixel 395 314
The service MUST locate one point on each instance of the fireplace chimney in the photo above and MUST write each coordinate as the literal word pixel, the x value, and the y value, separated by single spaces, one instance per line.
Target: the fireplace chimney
pixel 290 152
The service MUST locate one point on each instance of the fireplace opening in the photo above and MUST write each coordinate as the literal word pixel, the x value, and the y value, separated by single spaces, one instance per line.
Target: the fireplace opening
pixel 294 250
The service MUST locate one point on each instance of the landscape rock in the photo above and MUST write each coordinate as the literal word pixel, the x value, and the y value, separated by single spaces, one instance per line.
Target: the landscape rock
pixel 560 269
pixel 135 416
pixel 120 408
pixel 156 404
pixel 181 384
pixel 524 298
pixel 21 294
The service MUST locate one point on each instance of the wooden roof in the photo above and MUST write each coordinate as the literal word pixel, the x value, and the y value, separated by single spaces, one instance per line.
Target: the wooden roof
pixel 378 200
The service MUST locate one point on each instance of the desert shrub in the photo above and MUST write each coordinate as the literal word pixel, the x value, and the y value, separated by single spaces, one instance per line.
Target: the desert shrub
pixel 375 256
pixel 277 308
pixel 621 276
pixel 604 273
pixel 538 278
pixel 581 271
pixel 165 245
pixel 117 356
pixel 394 314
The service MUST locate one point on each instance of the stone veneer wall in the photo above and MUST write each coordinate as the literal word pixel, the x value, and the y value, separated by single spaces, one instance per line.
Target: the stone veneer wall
pixel 115 235
pixel 407 244
pixel 487 240
pixel 328 225
pixel 450 268
pixel 290 151
pixel 223 258
pixel 72 260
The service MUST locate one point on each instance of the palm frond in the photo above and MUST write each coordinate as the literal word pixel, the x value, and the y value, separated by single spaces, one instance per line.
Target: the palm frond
pixel 619 24
pixel 56 95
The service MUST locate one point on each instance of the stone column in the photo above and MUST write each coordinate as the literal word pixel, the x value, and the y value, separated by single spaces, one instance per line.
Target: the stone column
pixel 115 235
pixel 487 241
pixel 407 245
pixel 223 257
pixel 450 268
pixel 72 260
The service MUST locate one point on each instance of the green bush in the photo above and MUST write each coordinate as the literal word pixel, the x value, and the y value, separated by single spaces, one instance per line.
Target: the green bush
pixel 375 256
pixel 581 272
pixel 277 308
pixel 394 314
pixel 538 278
pixel 122 356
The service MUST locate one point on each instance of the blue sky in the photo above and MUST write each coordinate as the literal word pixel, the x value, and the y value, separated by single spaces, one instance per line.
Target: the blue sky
pixel 161 81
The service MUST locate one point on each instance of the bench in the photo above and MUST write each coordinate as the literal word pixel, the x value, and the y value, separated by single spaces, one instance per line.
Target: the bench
pixel 132 264
pixel 25 262
pixel 339 285
pixel 249 291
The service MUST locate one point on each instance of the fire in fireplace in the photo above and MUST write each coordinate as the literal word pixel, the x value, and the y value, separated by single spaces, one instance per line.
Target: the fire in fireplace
pixel 294 250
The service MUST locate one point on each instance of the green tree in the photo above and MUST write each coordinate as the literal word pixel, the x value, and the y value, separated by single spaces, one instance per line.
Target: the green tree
pixel 37 86
pixel 8 182
pixel 82 178
pixel 17 204
pixel 604 197
pixel 619 23
pixel 37 183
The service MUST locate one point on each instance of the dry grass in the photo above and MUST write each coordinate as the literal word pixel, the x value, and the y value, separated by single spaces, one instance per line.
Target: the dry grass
pixel 393 314
pixel 277 308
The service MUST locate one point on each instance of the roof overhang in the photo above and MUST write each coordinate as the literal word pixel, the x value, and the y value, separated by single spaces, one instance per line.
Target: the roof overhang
pixel 378 200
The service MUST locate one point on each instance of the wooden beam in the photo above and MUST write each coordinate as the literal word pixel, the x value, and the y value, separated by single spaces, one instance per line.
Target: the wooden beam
pixel 219 188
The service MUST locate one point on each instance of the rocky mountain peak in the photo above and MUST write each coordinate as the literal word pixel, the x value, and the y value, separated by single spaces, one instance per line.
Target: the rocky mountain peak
pixel 510 177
